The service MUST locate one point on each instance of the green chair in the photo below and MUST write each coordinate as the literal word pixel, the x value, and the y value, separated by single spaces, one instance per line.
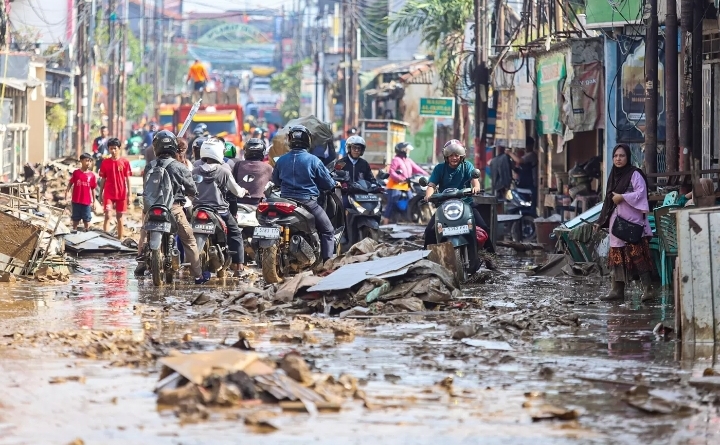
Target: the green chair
pixel 671 199
pixel 667 232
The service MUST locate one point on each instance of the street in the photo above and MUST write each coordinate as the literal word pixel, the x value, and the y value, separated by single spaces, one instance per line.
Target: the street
pixel 55 395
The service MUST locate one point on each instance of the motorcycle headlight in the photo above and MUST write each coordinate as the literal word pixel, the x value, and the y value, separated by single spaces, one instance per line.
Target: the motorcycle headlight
pixel 453 210
pixel 357 205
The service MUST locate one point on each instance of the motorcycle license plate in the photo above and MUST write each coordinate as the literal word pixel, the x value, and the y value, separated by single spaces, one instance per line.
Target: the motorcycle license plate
pixel 157 226
pixel 204 228
pixel 457 230
pixel 366 198
pixel 267 232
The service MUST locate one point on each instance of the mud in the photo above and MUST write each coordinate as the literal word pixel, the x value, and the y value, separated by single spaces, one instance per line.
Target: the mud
pixel 516 360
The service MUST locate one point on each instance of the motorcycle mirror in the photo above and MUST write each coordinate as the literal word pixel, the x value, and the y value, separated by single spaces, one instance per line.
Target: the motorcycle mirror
pixel 475 174
pixel 423 181
pixel 197 179
pixel 339 165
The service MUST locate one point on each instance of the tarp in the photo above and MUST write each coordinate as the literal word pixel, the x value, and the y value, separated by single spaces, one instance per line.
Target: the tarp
pixel 320 133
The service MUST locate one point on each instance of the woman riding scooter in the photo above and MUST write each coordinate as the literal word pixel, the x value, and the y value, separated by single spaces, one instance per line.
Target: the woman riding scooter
pixel 401 169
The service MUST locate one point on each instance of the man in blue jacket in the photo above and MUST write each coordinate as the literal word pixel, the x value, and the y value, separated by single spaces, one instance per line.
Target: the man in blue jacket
pixel 301 176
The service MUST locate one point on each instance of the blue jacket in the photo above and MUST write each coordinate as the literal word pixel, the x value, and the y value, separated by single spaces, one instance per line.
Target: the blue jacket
pixel 301 175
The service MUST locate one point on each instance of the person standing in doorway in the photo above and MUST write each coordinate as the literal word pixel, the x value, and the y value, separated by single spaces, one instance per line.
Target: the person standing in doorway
pixel 501 172
pixel 115 186
pixel 83 183
pixel 528 165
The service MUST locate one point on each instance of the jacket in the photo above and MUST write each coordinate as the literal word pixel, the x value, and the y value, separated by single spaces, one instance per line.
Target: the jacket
pixel 408 167
pixel 216 182
pixel 253 176
pixel 180 177
pixel 359 170
pixel 301 175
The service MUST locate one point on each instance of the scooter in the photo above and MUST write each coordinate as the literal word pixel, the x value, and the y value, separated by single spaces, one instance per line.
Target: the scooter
pixel 412 209
pixel 161 254
pixel 519 205
pixel 247 221
pixel 211 237
pixel 363 214
pixel 455 223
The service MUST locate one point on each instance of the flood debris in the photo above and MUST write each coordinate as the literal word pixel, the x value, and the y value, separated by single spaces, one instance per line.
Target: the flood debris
pixel 658 401
pixel 550 412
pixel 563 265
pixel 70 378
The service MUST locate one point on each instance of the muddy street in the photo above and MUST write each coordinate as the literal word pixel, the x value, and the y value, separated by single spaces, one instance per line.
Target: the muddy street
pixel 507 365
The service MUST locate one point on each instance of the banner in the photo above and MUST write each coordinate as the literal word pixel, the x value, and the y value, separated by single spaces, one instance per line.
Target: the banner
pixel 550 79
pixel 509 131
pixel 524 82
pixel 585 109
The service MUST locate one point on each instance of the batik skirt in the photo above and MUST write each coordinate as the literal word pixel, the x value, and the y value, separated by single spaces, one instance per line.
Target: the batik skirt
pixel 629 262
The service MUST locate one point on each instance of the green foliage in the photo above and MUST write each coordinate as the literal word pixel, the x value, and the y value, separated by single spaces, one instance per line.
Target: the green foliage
pixel 177 67
pixel 288 83
pixel 374 29
pixel 56 118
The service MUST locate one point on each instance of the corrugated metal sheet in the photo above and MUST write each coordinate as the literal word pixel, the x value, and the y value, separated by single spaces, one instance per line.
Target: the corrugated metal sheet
pixel 94 242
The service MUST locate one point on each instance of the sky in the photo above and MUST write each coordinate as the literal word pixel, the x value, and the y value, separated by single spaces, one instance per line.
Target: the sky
pixel 225 5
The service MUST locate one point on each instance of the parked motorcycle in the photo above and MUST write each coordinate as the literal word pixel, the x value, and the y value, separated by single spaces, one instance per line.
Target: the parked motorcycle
pixel 161 254
pixel 519 204
pixel 286 240
pixel 211 237
pixel 454 223
pixel 412 209
pixel 364 212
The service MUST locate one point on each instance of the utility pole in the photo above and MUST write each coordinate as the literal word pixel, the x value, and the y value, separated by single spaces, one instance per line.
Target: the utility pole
pixel 353 69
pixel 697 117
pixel 111 68
pixel 143 40
pixel 156 54
pixel 671 85
pixel 480 77
pixel 686 23
pixel 346 67
pixel 651 87
pixel 80 84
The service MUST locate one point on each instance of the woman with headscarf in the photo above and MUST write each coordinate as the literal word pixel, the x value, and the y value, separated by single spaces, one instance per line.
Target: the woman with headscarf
pixel 627 199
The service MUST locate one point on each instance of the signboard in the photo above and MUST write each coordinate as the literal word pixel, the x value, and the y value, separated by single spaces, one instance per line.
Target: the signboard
pixel 509 131
pixel 551 75
pixel 606 14
pixel 437 107
pixel 525 91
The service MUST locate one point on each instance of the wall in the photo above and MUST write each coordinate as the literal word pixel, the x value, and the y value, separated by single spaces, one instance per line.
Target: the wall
pixel 420 129
pixel 49 17
pixel 37 136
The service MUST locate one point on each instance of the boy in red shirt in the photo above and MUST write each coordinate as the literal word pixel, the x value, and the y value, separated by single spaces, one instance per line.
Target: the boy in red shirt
pixel 83 183
pixel 115 185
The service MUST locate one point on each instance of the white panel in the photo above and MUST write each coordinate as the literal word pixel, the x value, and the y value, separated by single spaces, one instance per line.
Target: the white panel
pixel 685 276
pixel 715 268
pixel 701 281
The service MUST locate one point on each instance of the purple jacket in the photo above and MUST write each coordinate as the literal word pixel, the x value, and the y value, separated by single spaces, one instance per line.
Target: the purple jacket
pixel 634 208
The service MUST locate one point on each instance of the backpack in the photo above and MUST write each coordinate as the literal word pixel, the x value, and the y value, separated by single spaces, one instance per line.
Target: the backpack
pixel 158 186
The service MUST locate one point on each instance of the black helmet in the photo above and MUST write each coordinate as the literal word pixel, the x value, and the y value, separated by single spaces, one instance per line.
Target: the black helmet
pixel 254 149
pixel 165 142
pixel 196 145
pixel 200 129
pixel 299 137
pixel 401 148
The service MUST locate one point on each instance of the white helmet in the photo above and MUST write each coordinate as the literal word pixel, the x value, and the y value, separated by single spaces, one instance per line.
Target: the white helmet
pixel 454 147
pixel 213 149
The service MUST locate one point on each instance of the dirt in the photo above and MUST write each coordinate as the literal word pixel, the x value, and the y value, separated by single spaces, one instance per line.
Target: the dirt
pixel 515 360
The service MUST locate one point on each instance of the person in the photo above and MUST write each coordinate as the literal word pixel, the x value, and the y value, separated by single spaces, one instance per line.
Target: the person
pixel 166 152
pixel 397 182
pixel 705 193
pixel 455 172
pixel 501 172
pixel 199 76
pixel 182 153
pixel 115 186
pixel 627 197
pixel 253 174
pixel 149 137
pixel 217 181
pixel 301 176
pixel 100 149
pixel 528 169
pixel 229 160
pixel 358 167
pixel 133 145
pixel 196 145
pixel 83 183
pixel 325 152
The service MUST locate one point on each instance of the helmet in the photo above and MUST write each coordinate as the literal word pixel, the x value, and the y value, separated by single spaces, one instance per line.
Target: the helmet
pixel 200 129
pixel 299 137
pixel 197 143
pixel 454 147
pixel 212 149
pixel 255 149
pixel 356 140
pixel 164 142
pixel 230 150
pixel 403 148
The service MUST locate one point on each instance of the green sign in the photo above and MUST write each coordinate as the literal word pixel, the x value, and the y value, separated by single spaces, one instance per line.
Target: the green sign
pixel 607 14
pixel 551 75
pixel 437 107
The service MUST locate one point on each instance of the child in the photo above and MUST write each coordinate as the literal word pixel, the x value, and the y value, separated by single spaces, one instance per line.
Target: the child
pixel 115 185
pixel 83 183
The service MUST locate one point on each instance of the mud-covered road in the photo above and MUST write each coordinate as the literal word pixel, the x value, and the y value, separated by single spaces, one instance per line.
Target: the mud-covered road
pixel 507 381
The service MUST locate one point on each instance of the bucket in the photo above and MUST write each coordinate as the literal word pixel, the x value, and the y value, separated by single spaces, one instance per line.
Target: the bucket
pixel 543 230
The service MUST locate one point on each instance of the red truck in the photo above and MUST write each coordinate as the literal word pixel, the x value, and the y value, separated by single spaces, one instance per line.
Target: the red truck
pixel 225 121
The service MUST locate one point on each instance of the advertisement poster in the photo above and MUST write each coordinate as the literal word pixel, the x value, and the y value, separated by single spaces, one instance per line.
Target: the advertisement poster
pixel 586 110
pixel 509 131
pixel 524 83
pixel 551 75
pixel 630 87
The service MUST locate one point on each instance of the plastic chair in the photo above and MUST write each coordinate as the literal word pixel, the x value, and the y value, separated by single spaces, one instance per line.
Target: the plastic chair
pixel 667 232
pixel 670 199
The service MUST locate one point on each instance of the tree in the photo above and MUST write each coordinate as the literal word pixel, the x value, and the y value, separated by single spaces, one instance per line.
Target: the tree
pixel 441 24
pixel 288 83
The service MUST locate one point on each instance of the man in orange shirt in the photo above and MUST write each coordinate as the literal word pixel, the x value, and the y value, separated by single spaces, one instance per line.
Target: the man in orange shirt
pixel 199 75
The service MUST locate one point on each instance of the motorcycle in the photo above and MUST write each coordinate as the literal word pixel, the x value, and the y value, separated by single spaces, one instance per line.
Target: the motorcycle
pixel 413 209
pixel 454 223
pixel 519 206
pixel 286 240
pixel 363 214
pixel 247 221
pixel 211 237
pixel 162 256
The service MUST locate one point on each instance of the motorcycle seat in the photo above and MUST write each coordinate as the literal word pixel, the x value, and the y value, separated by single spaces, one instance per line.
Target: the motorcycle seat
pixel 275 199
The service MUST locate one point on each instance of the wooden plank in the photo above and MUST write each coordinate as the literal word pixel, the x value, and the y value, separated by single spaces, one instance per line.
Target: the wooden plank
pixel 714 219
pixel 701 281
pixel 685 277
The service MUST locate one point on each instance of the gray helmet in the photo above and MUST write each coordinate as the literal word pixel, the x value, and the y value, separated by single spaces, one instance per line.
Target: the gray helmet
pixel 355 140
pixel 454 147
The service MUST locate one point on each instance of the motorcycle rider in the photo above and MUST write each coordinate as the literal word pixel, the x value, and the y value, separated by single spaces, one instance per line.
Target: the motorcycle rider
pixel 358 167
pixel 253 174
pixel 397 182
pixel 166 149
pixel 196 145
pixel 199 131
pixel 455 172
pixel 217 181
pixel 301 176
pixel 133 146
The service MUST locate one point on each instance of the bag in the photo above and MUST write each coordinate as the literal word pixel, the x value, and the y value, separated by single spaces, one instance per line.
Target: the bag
pixel 627 231
pixel 158 186
pixel 481 236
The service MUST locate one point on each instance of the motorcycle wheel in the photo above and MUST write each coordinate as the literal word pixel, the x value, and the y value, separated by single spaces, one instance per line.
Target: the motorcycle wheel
pixel 367 232
pixel 156 267
pixel 460 260
pixel 169 276
pixel 523 229
pixel 270 264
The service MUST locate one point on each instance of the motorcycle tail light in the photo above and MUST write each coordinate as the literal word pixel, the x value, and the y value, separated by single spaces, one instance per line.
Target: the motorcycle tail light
pixel 157 212
pixel 263 207
pixel 202 215
pixel 285 207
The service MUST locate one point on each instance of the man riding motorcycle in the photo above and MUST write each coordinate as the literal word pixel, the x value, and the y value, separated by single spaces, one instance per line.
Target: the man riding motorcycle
pixel 165 146
pixel 355 165
pixel 456 173
pixel 196 145
pixel 253 174
pixel 200 131
pixel 301 176
pixel 217 181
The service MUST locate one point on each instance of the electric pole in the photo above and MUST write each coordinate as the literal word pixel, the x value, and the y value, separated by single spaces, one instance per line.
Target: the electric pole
pixel 346 72
pixel 156 54
pixel 671 87
pixel 698 9
pixel 651 87
pixel 111 68
pixel 80 84
pixel 481 78
pixel 686 23
pixel 353 68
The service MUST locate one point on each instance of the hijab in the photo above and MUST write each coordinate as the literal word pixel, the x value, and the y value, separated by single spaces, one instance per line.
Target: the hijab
pixel 619 182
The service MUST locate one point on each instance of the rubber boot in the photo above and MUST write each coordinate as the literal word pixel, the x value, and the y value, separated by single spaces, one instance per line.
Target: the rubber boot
pixel 140 269
pixel 616 293
pixel 647 285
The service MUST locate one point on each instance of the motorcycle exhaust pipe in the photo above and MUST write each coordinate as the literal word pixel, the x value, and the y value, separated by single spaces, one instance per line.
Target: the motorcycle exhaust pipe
pixel 175 259
pixel 215 260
